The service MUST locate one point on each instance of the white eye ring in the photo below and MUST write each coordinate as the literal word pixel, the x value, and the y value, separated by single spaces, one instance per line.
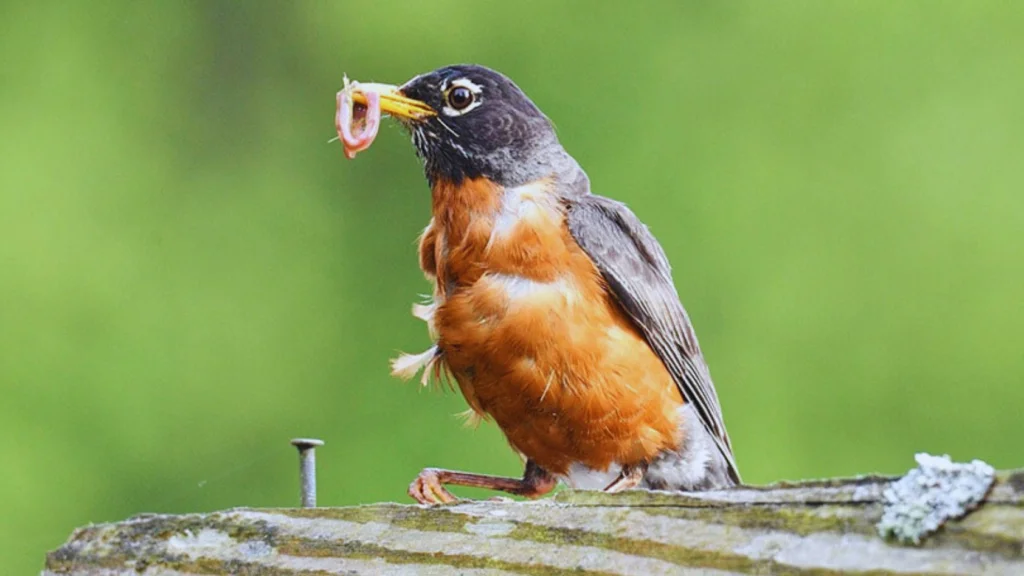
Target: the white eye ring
pixel 475 91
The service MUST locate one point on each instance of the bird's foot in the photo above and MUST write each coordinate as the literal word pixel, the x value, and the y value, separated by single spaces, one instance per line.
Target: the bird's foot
pixel 428 488
pixel 629 478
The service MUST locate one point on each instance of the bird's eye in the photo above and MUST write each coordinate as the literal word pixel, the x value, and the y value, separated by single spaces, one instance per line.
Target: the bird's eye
pixel 460 97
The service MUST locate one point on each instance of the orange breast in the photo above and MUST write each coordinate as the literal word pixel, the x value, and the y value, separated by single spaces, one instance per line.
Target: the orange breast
pixel 529 331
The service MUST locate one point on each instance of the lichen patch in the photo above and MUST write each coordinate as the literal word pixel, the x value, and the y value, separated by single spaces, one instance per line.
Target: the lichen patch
pixel 936 491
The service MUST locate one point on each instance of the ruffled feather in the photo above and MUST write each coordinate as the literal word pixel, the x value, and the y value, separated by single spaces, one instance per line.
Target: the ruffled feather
pixel 407 365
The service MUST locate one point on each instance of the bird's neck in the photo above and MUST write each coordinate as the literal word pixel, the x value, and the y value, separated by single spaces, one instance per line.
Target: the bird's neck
pixel 455 205
pixel 510 168
pixel 482 227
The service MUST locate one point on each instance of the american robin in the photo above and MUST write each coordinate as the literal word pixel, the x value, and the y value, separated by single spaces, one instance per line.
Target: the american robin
pixel 553 308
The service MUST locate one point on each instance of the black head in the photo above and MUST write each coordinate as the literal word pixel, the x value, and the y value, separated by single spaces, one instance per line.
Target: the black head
pixel 483 125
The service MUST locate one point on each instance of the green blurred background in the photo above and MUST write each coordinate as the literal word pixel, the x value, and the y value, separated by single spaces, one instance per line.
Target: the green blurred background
pixel 190 274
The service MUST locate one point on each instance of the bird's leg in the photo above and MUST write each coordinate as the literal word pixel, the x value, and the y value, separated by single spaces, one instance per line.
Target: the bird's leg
pixel 629 478
pixel 428 487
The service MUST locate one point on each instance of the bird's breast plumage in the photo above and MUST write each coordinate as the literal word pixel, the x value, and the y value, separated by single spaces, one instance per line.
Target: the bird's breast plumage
pixel 526 326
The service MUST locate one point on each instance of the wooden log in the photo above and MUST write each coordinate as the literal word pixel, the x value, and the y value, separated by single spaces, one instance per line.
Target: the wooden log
pixel 820 527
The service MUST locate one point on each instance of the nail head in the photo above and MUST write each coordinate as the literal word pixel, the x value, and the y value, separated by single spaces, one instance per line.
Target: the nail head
pixel 304 443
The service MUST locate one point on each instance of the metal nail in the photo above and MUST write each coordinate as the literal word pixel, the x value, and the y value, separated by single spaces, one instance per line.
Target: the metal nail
pixel 307 468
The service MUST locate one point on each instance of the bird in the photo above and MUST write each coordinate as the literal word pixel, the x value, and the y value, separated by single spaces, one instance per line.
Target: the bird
pixel 553 309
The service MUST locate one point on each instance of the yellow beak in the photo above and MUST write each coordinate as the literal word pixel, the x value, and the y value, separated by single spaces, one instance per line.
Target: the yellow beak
pixel 393 102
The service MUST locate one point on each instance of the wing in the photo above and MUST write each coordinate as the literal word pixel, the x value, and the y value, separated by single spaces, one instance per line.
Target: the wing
pixel 639 276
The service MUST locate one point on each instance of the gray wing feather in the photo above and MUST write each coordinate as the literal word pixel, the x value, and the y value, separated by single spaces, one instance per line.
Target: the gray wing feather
pixel 639 276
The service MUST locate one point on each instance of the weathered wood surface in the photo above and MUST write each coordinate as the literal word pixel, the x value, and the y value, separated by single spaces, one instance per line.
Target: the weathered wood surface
pixel 802 528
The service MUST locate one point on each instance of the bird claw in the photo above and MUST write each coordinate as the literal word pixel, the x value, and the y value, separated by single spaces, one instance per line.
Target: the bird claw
pixel 427 488
pixel 628 479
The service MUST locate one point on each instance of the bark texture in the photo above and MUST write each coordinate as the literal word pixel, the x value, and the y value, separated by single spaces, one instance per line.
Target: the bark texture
pixel 821 527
